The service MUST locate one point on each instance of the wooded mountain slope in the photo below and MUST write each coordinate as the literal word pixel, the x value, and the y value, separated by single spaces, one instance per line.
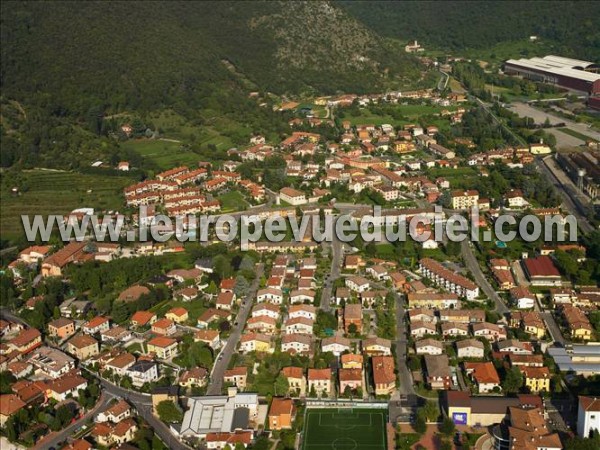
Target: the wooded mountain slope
pixel 462 25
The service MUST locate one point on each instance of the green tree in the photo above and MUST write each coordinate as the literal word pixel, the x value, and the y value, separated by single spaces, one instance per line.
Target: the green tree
pixel 420 424
pixel 512 381
pixel 447 426
pixel 282 385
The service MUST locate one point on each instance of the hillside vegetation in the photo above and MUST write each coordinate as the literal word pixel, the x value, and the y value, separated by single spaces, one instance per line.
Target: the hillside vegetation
pixel 66 67
pixel 459 26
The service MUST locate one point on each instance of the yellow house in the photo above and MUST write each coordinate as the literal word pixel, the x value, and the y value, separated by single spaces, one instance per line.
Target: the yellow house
pixel 352 361
pixel 262 346
pixel 583 333
pixel 537 379
pixel 178 315
pixel 535 330
pixel 256 342
pixel 164 347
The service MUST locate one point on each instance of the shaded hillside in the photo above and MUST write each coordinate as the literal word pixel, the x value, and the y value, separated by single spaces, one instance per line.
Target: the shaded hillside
pixel 461 25
pixel 149 54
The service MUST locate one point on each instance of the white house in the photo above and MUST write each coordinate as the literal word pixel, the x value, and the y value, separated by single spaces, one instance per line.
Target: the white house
pixel 271 295
pixel 300 325
pixel 307 311
pixel 588 416
pixel 143 372
pixel 336 345
pixel 419 329
pixel 301 296
pixel 357 284
pixel 522 297
pixel 266 309
pixel 429 347
pixel 296 343
pixel 470 348
pixel 292 196
pixel 378 272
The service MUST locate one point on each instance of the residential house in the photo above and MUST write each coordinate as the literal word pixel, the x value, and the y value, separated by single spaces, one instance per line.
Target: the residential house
pixel 484 375
pixel 296 343
pixel 419 328
pixel 143 318
pixel 537 379
pixel 335 344
pixel 256 342
pixel 68 385
pixel 384 376
pixel 272 295
pixel 61 328
pixel 163 347
pixel 164 327
pixel 377 346
pixel 588 416
pixel 143 371
pixel 281 413
pixel 353 318
pixel 319 382
pixel 298 325
pixel 522 297
pixel 96 325
pixel 83 346
pixel 450 329
pixel 437 369
pixel 470 348
pixel 357 284
pixel 177 315
pixel 429 347
pixel 490 331
pixel 296 380
pixel 209 337
pixel 196 376
pixel 351 379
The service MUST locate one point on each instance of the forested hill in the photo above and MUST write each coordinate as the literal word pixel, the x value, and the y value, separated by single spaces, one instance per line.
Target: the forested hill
pixel 462 25
pixel 148 54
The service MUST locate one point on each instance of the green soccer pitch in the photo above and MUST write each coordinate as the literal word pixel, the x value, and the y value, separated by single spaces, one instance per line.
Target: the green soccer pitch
pixel 344 429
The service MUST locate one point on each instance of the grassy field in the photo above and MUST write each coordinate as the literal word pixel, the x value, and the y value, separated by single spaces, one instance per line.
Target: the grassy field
pixel 577 134
pixel 56 192
pixel 175 126
pixel 165 154
pixel 232 201
pixel 347 429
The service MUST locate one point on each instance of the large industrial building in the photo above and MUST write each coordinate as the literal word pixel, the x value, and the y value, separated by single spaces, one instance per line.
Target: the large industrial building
pixel 573 74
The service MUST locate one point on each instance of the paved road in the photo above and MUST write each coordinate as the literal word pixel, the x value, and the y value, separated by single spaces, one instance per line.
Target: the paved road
pixel 547 166
pixel 143 405
pixel 216 378
pixel 473 265
pixel 553 328
pixel 54 439
pixel 443 83
pixel 337 250
pixel 406 382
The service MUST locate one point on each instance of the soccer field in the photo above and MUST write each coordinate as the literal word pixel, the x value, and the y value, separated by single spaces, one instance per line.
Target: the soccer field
pixel 344 429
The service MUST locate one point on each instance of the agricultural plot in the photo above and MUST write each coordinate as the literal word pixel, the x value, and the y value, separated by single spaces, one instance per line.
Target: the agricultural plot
pixel 47 192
